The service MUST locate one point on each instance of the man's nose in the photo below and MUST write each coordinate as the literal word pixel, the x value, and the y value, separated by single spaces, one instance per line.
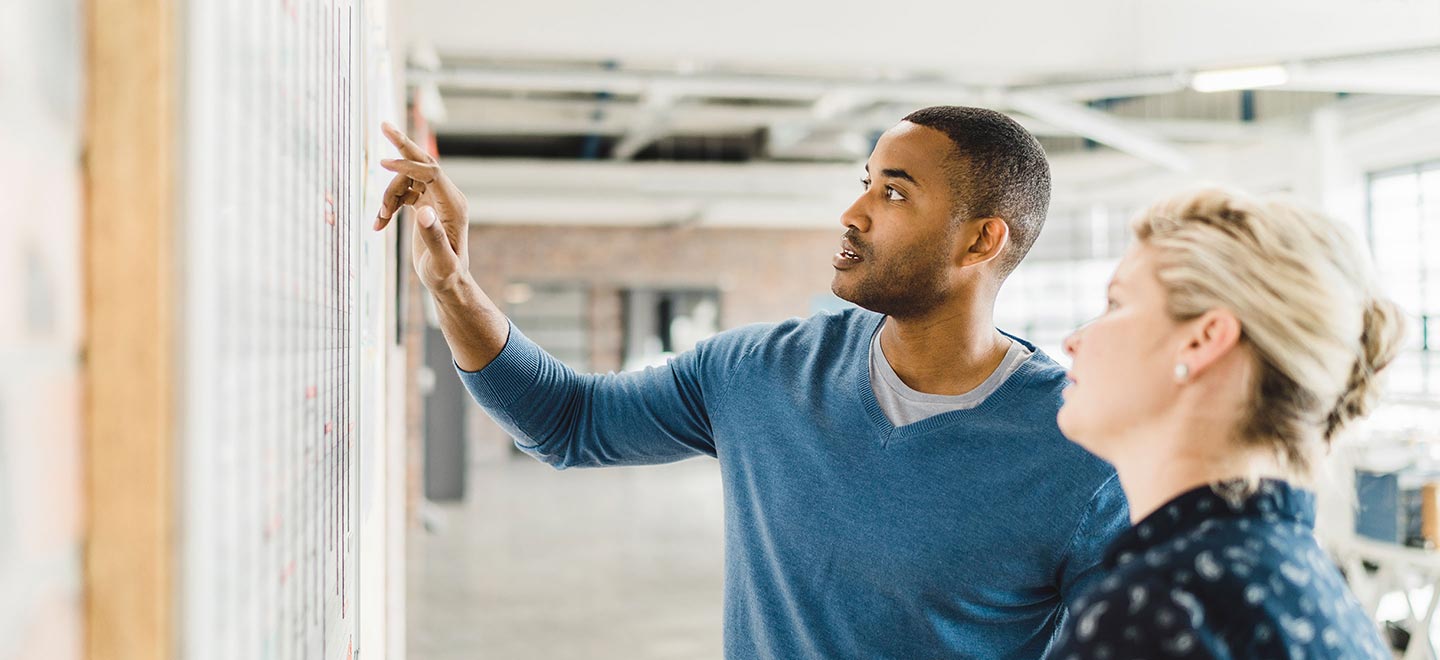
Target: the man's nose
pixel 856 216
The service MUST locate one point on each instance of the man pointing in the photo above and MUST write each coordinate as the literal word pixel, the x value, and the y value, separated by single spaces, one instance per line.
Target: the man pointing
pixel 895 484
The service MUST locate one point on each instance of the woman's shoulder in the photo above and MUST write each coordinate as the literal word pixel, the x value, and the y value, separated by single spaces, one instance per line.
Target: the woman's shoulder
pixel 1229 586
pixel 1234 553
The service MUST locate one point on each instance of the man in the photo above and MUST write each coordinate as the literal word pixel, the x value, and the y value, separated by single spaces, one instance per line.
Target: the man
pixel 895 483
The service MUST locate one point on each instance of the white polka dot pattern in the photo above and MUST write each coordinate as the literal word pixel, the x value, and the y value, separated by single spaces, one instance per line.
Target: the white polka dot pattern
pixel 1217 575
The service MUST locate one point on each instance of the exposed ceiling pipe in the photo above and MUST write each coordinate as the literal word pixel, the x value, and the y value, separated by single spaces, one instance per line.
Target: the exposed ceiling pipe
pixel 839 103
pixel 1101 127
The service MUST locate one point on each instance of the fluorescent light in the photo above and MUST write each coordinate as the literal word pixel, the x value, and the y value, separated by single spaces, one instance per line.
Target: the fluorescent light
pixel 1224 80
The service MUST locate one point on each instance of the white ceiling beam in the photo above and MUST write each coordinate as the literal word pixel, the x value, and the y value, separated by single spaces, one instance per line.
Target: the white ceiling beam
pixel 652 177
pixel 1111 88
pixel 1184 130
pixel 519 116
pixel 623 82
pixel 838 103
pixel 611 193
pixel 1381 140
pixel 1367 84
pixel 842 127
pixel 788 195
pixel 836 107
pixel 637 138
pixel 1412 71
pixel 830 185
pixel 650 123
pixel 697 85
pixel 1408 71
pixel 1406 77
pixel 1102 128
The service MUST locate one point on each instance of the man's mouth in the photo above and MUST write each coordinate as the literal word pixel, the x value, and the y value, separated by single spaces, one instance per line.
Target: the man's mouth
pixel 848 252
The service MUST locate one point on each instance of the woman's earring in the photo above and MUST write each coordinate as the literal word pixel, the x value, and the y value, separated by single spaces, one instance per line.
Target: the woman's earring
pixel 1182 372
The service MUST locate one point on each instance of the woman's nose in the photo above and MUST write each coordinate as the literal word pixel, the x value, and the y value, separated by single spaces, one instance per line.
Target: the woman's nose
pixel 1071 343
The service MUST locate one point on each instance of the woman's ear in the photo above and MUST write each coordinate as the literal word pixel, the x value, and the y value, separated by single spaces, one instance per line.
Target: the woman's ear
pixel 986 239
pixel 1207 339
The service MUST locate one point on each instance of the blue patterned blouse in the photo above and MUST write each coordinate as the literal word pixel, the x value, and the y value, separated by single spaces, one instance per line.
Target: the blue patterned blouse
pixel 1216 574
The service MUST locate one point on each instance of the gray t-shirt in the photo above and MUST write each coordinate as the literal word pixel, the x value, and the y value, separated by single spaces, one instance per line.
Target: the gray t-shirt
pixel 903 405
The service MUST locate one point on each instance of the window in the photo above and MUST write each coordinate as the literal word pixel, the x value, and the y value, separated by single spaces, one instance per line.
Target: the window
pixel 555 315
pixel 660 323
pixel 1403 226
pixel 1061 284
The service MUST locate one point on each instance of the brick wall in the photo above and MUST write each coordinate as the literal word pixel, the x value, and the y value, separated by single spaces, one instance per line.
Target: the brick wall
pixel 762 275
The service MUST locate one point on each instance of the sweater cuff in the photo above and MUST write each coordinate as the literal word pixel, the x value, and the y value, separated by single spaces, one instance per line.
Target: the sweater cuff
pixel 510 375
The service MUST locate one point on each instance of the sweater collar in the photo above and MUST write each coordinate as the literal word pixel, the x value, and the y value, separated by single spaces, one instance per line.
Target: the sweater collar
pixel 1022 377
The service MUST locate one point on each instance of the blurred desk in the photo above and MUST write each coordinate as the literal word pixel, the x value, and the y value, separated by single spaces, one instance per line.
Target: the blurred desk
pixel 1400 569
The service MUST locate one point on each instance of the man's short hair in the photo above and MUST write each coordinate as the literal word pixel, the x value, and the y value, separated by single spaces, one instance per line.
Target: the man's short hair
pixel 999 171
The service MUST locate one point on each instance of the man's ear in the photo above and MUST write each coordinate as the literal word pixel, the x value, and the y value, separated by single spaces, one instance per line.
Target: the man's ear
pixel 985 239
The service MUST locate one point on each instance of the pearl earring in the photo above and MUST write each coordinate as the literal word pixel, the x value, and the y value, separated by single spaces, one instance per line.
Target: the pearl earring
pixel 1182 371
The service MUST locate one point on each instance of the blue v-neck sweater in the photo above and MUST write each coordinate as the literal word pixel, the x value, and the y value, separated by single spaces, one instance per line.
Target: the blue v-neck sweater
pixel 958 536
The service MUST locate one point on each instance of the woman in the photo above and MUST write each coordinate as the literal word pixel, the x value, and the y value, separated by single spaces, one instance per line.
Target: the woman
pixel 1241 336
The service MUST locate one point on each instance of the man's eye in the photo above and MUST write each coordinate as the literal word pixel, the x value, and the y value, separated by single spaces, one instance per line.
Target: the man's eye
pixel 865 183
pixel 893 194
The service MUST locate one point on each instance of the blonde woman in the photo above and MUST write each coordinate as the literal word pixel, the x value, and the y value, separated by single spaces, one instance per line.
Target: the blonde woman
pixel 1241 336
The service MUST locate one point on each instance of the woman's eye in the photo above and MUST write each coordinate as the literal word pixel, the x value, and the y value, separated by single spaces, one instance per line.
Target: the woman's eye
pixel 1110 305
pixel 865 183
pixel 893 194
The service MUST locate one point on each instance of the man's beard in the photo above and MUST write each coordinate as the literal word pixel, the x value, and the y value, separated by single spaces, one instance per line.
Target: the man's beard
pixel 902 287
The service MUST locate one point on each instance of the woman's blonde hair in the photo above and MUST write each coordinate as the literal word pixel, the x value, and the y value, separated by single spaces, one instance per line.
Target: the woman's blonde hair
pixel 1305 295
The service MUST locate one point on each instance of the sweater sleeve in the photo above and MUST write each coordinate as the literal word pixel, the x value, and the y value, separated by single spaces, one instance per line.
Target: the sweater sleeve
pixel 566 419
pixel 1105 518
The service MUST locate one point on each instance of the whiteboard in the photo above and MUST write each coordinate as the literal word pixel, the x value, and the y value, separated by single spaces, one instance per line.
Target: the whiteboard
pixel 42 484
pixel 279 286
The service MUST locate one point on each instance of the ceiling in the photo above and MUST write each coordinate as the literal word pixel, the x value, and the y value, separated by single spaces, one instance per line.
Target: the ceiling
pixel 994 43
pixel 656 98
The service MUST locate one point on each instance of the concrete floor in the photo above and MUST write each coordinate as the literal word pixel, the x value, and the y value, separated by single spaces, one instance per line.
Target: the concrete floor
pixel 583 564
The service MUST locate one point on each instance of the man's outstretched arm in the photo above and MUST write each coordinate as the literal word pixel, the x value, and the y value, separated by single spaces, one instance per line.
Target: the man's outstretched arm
pixel 473 325
pixel 564 418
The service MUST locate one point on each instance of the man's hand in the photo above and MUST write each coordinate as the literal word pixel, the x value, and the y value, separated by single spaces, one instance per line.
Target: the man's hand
pixel 474 327
pixel 440 246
